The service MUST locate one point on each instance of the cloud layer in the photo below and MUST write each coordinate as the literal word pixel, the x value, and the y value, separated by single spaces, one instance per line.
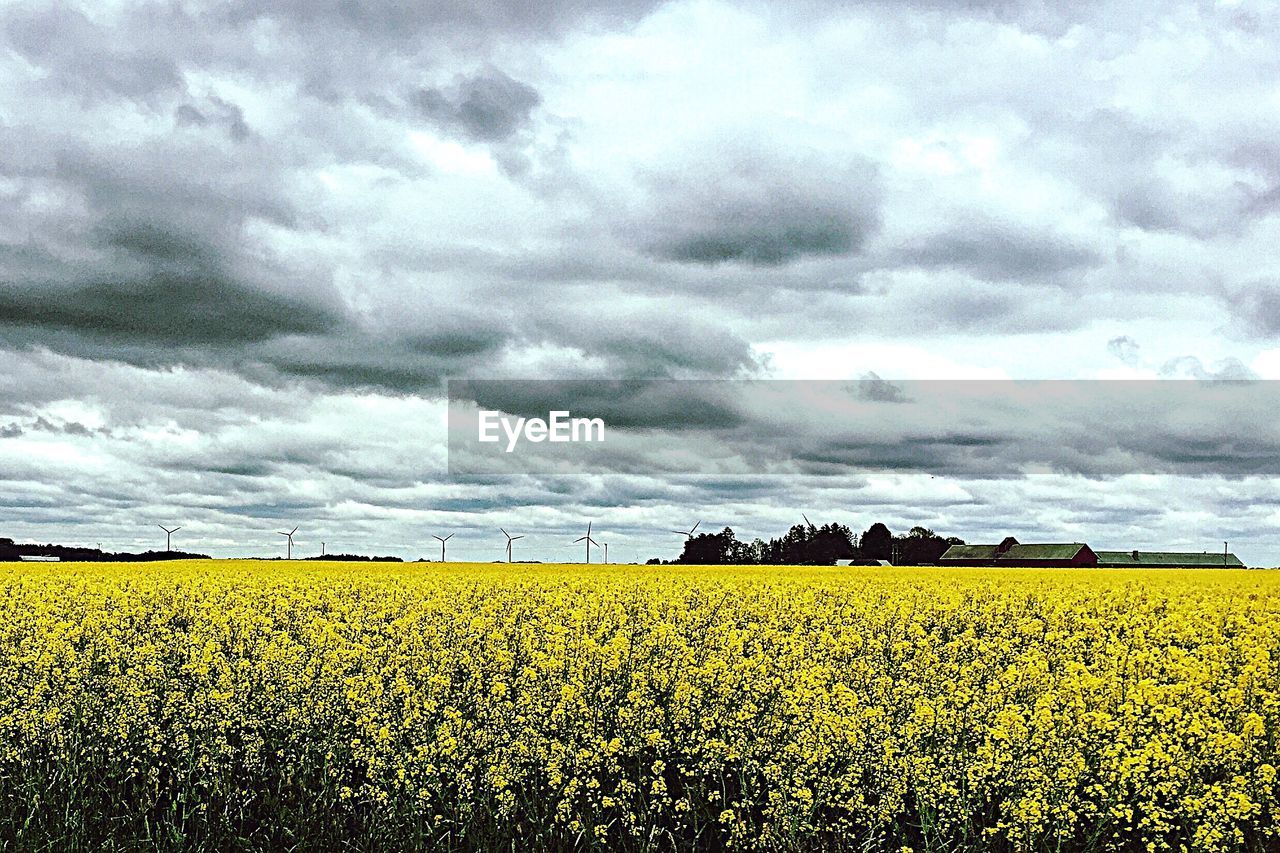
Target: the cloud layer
pixel 242 246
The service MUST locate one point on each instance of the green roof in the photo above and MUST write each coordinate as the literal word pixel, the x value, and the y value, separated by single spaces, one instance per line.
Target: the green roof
pixel 970 552
pixel 1053 551
pixel 1016 553
pixel 1187 559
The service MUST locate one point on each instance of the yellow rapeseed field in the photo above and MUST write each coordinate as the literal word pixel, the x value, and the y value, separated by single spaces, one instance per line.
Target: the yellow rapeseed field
pixel 241 705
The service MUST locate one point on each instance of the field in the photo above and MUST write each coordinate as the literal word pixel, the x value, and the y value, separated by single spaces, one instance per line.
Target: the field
pixel 237 705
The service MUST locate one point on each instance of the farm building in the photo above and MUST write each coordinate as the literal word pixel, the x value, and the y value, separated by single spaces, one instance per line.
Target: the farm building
pixel 1011 552
pixel 1168 559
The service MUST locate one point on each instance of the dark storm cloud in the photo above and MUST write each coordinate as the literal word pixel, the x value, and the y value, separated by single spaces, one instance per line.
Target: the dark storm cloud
pixel 215 112
pixel 999 252
pixel 458 342
pixel 1154 204
pixel 624 404
pixel 161 309
pixel 158 261
pixel 150 262
pixel 733 204
pixel 1257 306
pixel 950 453
pixel 974 307
pixel 398 361
pixel 255 169
pixel 652 346
pixel 85 59
pixel 404 22
pixel 985 430
pixel 488 106
pixel 171 185
pixel 167 268
pixel 1165 175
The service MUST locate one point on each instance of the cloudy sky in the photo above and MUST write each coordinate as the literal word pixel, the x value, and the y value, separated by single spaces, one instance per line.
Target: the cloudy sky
pixel 242 247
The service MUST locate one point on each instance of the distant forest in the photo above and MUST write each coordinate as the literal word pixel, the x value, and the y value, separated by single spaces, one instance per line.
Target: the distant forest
pixel 9 551
pixel 811 545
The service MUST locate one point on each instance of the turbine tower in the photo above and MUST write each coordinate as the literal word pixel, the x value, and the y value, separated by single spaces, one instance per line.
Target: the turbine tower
pixel 510 539
pixel 589 542
pixel 168 536
pixel 442 541
pixel 289 535
pixel 606 553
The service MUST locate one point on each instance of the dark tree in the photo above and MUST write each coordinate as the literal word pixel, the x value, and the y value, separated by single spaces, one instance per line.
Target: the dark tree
pixel 810 545
pixel 711 549
pixel 877 542
pixel 829 543
pixel 922 546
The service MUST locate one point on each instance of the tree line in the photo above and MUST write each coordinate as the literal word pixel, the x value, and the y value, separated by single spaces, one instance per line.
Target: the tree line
pixel 809 544
pixel 10 551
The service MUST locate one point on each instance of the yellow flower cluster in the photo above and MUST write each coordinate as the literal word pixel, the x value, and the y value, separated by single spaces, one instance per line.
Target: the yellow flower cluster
pixel 220 705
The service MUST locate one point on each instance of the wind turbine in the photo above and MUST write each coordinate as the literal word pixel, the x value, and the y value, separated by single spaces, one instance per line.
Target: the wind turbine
pixel 289 552
pixel 687 534
pixel 589 542
pixel 510 539
pixel 168 536
pixel 444 540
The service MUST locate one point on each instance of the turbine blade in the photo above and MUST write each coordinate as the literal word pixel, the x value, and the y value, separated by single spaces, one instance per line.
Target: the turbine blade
pixel 695 527
pixel 806 519
pixel 588 528
pixel 295 529
pixel 579 539
pixel 514 538
pixel 175 530
pixel 504 532
pixel 447 538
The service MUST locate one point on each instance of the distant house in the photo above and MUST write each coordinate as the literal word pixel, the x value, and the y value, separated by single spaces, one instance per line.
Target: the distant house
pixel 1011 552
pixel 1168 560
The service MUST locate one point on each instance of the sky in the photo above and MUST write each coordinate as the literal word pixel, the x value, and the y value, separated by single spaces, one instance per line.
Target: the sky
pixel 244 246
